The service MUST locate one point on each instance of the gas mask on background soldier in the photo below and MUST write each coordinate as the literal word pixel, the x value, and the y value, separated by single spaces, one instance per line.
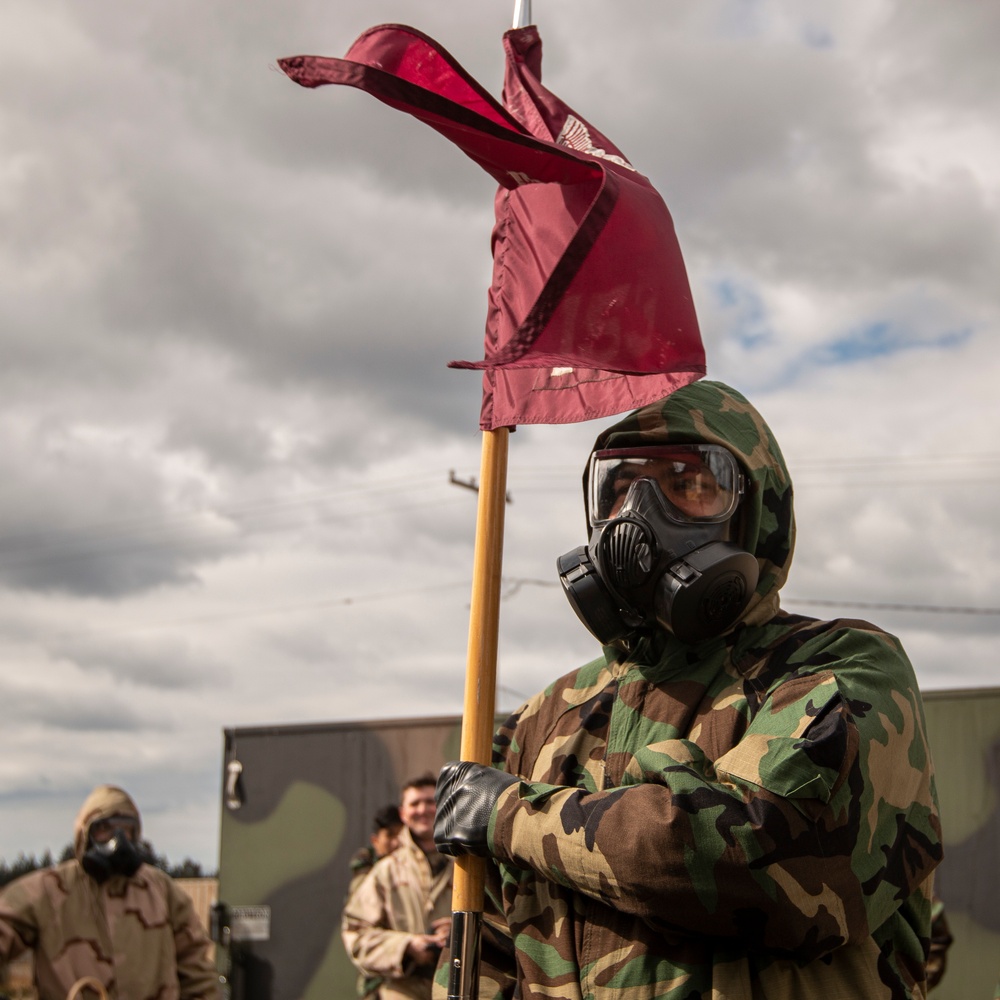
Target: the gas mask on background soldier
pixel 660 552
pixel 111 848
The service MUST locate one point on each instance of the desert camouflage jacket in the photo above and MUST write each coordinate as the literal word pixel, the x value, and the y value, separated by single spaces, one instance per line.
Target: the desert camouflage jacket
pixel 401 896
pixel 752 816
pixel 138 936
pixel 361 863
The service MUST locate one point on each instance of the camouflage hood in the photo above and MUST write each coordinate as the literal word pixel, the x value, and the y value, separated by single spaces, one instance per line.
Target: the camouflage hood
pixel 102 802
pixel 712 413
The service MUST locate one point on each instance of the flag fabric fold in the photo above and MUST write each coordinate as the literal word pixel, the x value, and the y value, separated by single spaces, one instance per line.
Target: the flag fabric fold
pixel 590 310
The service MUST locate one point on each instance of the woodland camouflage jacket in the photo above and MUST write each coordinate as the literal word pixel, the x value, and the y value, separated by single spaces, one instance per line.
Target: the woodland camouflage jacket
pixel 753 816
pixel 138 936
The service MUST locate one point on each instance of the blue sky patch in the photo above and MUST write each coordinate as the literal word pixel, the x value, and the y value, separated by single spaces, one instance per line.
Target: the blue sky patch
pixel 882 339
pixel 745 311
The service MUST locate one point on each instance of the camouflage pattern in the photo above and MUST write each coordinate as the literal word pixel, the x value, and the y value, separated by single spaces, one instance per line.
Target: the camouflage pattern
pixel 362 862
pixel 356 767
pixel 148 942
pixel 302 805
pixel 963 728
pixel 941 941
pixel 399 898
pixel 751 816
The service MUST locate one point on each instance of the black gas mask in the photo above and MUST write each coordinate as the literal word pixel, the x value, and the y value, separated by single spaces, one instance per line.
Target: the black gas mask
pixel 111 848
pixel 660 552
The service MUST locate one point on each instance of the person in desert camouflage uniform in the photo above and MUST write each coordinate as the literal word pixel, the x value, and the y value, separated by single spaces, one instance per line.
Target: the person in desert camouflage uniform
pixel 384 839
pixel 107 915
pixel 396 921
pixel 748 815
pixel 386 829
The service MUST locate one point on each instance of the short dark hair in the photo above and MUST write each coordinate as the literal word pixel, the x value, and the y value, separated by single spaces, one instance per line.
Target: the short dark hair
pixel 422 781
pixel 387 818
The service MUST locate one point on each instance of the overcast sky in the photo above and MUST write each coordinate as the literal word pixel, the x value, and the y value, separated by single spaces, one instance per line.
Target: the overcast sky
pixel 227 304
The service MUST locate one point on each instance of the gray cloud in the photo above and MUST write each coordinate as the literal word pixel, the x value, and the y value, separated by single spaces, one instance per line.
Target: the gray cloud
pixel 73 715
pixel 228 304
pixel 135 662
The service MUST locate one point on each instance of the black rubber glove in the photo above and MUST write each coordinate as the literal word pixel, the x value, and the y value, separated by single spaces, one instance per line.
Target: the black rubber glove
pixel 466 794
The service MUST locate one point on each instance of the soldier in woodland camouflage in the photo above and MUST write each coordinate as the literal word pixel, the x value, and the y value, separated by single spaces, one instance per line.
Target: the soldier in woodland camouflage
pixel 746 815
pixel 107 915
pixel 941 941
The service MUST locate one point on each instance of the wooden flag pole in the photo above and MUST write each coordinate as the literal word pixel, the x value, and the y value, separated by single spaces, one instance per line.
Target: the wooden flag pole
pixel 480 702
pixel 469 885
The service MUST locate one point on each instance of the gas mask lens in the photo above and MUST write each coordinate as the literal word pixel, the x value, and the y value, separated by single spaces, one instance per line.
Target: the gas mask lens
pixel 103 830
pixel 701 483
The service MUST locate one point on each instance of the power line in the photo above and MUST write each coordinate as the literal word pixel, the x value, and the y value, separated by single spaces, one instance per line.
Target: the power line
pixel 137 533
pixel 513 587
pixel 266 611
pixel 934 609
pixel 978 458
pixel 220 527
pixel 232 512
pixel 813 462
pixel 939 609
pixel 150 534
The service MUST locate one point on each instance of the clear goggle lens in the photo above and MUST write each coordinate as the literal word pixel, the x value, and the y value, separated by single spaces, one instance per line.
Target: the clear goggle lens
pixel 701 483
pixel 102 830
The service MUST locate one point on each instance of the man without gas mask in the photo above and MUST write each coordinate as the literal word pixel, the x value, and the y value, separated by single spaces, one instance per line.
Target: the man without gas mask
pixel 731 800
pixel 107 915
pixel 397 921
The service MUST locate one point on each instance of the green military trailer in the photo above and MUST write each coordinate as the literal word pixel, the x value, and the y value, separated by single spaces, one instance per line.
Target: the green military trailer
pixel 298 802
pixel 963 728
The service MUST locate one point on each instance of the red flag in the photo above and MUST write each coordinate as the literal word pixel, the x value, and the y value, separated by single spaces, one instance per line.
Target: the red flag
pixel 590 311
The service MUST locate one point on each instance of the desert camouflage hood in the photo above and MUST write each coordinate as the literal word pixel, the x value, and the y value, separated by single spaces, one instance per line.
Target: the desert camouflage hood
pixel 713 413
pixel 102 802
pixel 136 936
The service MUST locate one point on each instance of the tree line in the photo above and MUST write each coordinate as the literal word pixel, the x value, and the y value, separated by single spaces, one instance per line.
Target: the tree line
pixel 25 863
